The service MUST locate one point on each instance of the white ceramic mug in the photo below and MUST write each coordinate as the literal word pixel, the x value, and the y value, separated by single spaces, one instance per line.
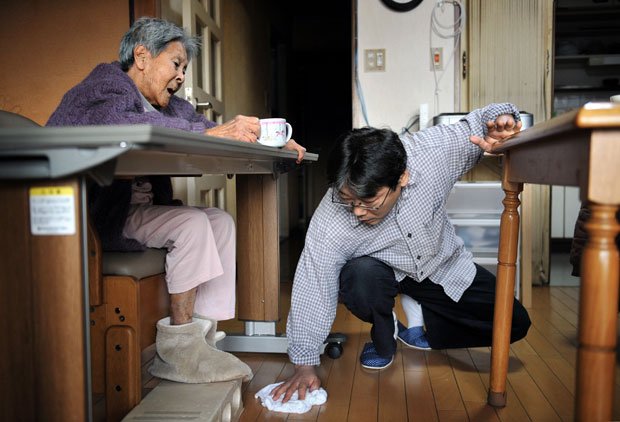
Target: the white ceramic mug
pixel 274 132
pixel 615 99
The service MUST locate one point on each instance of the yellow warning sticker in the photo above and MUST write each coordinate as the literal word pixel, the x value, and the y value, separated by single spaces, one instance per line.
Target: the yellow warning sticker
pixel 52 190
pixel 52 210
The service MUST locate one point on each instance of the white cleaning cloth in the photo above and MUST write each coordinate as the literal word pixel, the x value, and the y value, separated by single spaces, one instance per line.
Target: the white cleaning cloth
pixel 294 405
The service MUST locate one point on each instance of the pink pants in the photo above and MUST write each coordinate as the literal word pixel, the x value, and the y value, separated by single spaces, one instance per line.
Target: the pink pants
pixel 201 252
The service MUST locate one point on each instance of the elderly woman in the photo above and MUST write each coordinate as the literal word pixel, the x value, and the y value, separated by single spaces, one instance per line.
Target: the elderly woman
pixel 138 213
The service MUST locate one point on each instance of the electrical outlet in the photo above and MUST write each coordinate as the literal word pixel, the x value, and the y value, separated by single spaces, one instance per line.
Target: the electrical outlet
pixel 380 56
pixel 374 60
pixel 437 58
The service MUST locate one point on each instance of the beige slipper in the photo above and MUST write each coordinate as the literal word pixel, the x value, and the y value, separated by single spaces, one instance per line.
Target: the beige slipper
pixel 184 355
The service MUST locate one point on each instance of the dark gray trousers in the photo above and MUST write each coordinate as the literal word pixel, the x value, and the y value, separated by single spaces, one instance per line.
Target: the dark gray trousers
pixel 368 289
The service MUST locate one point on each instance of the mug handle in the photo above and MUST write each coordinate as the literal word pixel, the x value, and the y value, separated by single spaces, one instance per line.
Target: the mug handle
pixel 289 131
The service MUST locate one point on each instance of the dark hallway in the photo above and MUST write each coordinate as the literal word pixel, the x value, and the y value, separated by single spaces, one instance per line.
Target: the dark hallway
pixel 311 84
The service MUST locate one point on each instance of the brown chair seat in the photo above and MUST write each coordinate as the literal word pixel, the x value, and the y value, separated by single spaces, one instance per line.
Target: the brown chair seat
pixel 136 264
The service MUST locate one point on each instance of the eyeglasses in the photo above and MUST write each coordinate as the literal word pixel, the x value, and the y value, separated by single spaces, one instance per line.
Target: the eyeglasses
pixel 336 199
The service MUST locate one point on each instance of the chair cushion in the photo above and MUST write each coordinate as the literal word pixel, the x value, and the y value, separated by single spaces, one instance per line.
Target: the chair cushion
pixel 9 119
pixel 135 264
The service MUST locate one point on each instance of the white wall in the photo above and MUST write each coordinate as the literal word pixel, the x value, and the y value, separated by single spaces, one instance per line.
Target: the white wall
pixel 394 96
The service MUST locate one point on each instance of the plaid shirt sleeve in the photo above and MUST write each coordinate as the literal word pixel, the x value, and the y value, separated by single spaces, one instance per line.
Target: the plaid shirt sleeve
pixel 457 154
pixel 315 288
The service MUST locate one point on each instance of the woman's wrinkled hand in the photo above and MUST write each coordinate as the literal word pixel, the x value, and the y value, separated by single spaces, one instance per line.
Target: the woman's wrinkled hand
pixel 241 128
pixel 291 145
pixel 503 127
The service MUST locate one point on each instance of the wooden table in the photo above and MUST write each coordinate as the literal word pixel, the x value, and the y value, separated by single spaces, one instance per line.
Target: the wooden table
pixel 580 148
pixel 44 315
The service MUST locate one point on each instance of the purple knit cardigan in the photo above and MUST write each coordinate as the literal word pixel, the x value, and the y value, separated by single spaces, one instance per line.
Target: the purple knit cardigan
pixel 109 97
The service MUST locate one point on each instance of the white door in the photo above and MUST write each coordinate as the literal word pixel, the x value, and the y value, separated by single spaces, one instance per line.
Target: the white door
pixel 202 88
pixel 203 80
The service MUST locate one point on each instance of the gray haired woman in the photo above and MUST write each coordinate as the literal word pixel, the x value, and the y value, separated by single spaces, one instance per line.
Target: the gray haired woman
pixel 138 213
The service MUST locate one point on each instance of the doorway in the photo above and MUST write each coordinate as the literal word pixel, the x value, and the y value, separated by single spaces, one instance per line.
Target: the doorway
pixel 311 54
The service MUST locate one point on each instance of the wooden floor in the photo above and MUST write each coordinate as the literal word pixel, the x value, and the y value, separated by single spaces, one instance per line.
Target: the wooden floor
pixel 440 385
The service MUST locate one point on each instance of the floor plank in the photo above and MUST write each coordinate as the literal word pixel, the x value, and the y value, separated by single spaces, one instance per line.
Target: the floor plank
pixel 445 388
pixel 545 379
pixel 392 401
pixel 420 399
pixel 365 390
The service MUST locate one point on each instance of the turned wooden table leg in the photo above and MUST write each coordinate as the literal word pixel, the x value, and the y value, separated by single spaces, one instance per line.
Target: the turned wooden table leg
pixel 504 294
pixel 598 312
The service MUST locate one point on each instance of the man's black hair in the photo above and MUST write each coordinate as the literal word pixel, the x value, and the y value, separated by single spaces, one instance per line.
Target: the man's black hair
pixel 366 159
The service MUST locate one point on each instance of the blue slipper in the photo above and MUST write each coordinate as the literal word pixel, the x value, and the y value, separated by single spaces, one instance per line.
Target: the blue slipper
pixel 414 337
pixel 370 359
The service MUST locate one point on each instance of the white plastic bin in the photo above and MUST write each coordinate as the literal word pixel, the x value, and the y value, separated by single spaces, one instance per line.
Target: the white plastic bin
pixel 475 210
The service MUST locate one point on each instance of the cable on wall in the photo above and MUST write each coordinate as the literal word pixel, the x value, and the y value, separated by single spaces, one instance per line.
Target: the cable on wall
pixel 356 70
pixel 360 93
pixel 450 31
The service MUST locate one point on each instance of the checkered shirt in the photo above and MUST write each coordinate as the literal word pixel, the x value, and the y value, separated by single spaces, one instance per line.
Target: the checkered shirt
pixel 415 238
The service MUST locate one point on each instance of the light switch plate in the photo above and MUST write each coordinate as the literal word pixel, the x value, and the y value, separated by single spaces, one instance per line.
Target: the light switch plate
pixel 374 60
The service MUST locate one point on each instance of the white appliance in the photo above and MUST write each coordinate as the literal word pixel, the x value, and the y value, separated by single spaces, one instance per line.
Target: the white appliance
pixel 527 119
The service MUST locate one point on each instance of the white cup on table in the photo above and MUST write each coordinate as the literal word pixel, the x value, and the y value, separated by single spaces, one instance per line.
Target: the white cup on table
pixel 275 132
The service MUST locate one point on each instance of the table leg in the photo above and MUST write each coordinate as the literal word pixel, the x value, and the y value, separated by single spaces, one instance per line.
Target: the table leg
pixel 258 248
pixel 598 317
pixel 258 267
pixel 504 294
